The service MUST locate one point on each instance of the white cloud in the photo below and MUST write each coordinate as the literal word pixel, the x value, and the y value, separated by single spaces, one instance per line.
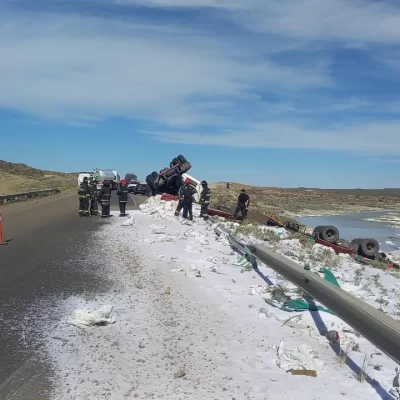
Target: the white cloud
pixel 86 69
pixel 357 21
pixel 223 4
pixel 377 139
pixel 91 68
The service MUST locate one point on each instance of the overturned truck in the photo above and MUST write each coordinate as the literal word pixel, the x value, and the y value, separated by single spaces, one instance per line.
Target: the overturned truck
pixel 169 179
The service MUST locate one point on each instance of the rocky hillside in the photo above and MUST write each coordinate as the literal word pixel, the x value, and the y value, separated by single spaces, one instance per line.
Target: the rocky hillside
pixel 16 177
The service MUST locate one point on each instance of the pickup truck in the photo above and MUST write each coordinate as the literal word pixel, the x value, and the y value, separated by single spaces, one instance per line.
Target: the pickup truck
pixel 141 188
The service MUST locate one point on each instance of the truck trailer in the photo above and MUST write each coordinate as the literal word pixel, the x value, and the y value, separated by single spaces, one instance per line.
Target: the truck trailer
pixel 102 175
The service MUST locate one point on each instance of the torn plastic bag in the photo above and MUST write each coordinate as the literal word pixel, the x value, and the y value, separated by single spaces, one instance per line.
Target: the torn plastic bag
pixel 102 316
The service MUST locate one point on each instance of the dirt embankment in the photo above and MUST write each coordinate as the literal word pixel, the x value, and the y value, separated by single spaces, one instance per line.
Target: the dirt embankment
pixel 290 203
pixel 16 177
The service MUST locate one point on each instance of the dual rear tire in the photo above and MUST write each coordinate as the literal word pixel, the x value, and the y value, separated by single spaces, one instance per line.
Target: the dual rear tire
pixel 328 233
pixel 366 247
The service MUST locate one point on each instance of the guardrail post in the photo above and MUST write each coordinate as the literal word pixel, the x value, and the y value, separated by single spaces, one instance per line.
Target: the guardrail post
pixel 2 242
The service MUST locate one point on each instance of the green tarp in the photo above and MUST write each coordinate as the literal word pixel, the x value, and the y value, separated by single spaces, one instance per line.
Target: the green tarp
pixel 300 304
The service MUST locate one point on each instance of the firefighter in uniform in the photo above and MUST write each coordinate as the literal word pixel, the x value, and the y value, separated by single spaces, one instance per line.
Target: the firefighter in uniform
pixel 204 200
pixel 186 195
pixel 122 194
pixel 84 198
pixel 105 199
pixel 180 204
pixel 94 207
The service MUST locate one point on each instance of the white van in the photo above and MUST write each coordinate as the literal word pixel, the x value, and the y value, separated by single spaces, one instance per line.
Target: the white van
pixel 82 175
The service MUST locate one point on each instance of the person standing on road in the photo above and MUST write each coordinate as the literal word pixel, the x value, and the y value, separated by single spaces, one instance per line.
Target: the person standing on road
pixel 94 207
pixel 187 200
pixel 205 200
pixel 242 205
pixel 84 198
pixel 122 194
pixel 105 199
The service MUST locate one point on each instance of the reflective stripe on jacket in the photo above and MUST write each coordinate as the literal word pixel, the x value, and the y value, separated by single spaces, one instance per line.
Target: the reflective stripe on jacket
pixel 105 195
pixel 84 191
pixel 123 194
pixel 205 196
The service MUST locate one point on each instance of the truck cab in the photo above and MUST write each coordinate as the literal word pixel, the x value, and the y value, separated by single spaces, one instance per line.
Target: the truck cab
pixel 82 175
pixel 195 184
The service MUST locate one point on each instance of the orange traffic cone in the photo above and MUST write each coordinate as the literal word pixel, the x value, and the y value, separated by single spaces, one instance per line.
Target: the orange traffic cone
pixel 2 242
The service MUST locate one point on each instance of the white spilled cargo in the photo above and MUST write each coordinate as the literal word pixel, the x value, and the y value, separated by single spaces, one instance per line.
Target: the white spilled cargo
pixel 102 316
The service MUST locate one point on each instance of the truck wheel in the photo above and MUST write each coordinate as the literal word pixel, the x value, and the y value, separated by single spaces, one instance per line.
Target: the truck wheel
pixel 355 244
pixel 182 159
pixel 330 234
pixel 317 231
pixel 175 161
pixel 150 182
pixel 369 247
pixel 171 173
pixel 154 175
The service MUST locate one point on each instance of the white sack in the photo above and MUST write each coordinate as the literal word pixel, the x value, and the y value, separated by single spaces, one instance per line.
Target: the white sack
pixel 90 318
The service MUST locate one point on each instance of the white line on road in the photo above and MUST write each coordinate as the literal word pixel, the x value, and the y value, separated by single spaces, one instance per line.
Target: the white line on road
pixel 134 201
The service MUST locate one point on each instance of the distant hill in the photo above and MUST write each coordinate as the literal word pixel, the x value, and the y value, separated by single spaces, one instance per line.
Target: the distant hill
pixel 302 201
pixel 18 177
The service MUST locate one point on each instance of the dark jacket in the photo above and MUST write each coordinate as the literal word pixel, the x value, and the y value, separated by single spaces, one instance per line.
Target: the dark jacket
pixel 243 199
pixel 105 194
pixel 84 190
pixel 205 196
pixel 93 192
pixel 122 194
pixel 186 193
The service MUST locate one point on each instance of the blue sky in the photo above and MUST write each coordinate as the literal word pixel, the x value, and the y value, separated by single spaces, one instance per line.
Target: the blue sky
pixel 273 93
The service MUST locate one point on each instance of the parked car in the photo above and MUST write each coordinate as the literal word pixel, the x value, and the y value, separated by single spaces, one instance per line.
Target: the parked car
pixel 132 184
pixel 141 188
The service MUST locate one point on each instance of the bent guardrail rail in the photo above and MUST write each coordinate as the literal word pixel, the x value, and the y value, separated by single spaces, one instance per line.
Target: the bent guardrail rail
pixel 377 327
pixel 16 196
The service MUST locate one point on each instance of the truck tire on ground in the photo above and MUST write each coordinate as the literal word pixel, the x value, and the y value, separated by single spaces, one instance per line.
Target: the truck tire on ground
pixel 355 244
pixel 330 234
pixel 317 231
pixel 369 247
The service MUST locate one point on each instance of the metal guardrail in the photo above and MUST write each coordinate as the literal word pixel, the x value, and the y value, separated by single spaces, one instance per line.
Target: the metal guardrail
pixel 4 198
pixel 377 327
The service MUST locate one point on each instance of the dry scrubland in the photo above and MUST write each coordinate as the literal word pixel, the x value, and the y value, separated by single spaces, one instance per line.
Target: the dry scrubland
pixel 289 203
pixel 16 178
pixel 285 203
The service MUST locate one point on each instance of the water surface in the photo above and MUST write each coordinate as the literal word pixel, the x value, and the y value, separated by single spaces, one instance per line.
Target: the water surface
pixel 382 226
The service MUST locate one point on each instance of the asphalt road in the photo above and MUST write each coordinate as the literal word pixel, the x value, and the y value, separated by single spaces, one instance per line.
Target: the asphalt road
pixel 43 261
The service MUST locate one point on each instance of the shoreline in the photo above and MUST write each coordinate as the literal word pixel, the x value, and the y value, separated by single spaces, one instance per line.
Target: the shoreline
pixel 327 213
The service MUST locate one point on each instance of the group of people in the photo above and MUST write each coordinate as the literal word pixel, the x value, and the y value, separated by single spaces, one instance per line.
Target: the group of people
pixel 90 197
pixel 186 198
